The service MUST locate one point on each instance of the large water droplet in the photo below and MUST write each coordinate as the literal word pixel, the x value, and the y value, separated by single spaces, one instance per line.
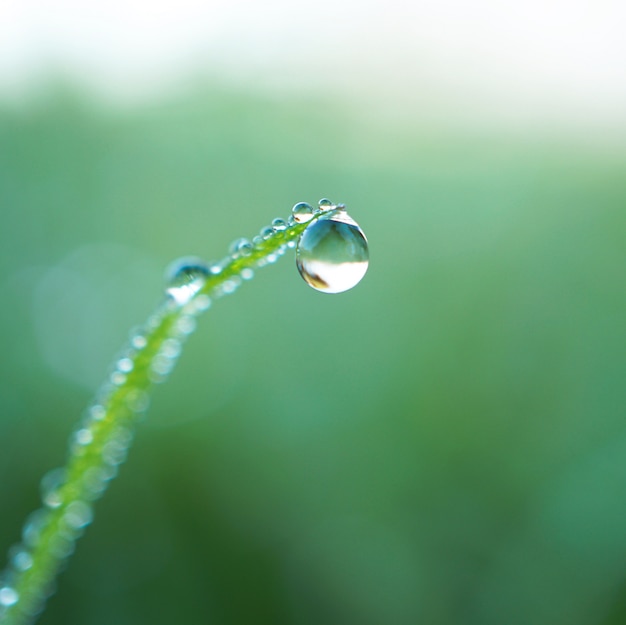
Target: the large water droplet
pixel 185 277
pixel 332 254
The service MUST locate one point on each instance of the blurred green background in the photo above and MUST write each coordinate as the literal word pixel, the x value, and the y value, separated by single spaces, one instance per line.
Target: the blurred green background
pixel 444 444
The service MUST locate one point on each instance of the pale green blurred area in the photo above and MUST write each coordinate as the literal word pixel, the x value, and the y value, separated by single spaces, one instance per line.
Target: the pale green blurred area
pixel 444 444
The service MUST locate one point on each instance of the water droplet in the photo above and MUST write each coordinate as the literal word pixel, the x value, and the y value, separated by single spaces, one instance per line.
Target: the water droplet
pixel 230 286
pixel 326 205
pixel 203 302
pixel 171 348
pixel 51 484
pixel 302 212
pixel 240 247
pixel 154 321
pixel 186 325
pixel 78 514
pixel 266 232
pixel 138 340
pixel 162 366
pixel 332 254
pixel 97 412
pixel 185 277
pixel 117 378
pixel 125 365
pixel 138 401
pixel 62 547
pixel 33 527
pixel 8 596
pixel 247 273
pixel 22 560
pixel 84 436
pixel 114 452
pixel 279 224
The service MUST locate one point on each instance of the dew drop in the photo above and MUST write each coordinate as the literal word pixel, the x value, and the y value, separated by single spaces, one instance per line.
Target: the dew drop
pixel 8 596
pixel 326 205
pixel 266 232
pixel 203 302
pixel 185 277
pixel 125 365
pixel 51 484
pixel 171 348
pixel 138 401
pixel 302 212
pixel 97 412
pixel 78 514
pixel 186 325
pixel 279 224
pixel 247 273
pixel 138 340
pixel 117 378
pixel 22 560
pixel 33 527
pixel 84 436
pixel 332 254
pixel 240 247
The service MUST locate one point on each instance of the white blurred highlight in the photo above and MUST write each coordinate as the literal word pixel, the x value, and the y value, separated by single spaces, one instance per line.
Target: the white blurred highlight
pixel 546 60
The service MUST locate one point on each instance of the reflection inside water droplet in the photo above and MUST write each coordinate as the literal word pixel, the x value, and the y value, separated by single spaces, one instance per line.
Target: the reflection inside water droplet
pixel 332 254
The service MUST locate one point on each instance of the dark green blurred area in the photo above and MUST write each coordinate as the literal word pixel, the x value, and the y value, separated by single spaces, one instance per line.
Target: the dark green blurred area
pixel 444 444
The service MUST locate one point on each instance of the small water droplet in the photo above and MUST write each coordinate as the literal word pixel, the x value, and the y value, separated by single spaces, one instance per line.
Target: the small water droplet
pixel 154 320
pixel 84 436
pixel 186 325
pixel 138 401
pixel 78 514
pixel 266 232
pixel 162 366
pixel 185 277
pixel 171 348
pixel 125 365
pixel 51 484
pixel 8 596
pixel 22 560
pixel 326 205
pixel 332 254
pixel 247 273
pixel 279 224
pixel 35 523
pixel 302 212
pixel 114 452
pixel 138 340
pixel 203 302
pixel 62 545
pixel 97 412
pixel 117 378
pixel 240 247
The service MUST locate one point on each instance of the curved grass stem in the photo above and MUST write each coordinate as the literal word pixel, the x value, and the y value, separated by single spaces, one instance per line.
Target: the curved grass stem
pixel 100 443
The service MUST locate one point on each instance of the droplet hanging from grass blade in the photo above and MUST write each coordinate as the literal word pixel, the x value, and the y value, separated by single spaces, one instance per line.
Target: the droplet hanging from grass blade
pixel 332 254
